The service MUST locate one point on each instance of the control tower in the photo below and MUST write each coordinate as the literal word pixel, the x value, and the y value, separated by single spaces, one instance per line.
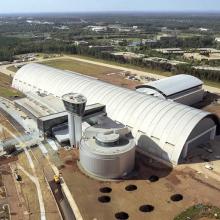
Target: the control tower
pixel 75 106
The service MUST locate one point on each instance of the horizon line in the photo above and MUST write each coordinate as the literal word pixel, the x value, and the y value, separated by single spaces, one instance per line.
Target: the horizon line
pixel 114 11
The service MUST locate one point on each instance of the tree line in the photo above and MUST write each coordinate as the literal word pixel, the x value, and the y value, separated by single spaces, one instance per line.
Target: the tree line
pixel 11 47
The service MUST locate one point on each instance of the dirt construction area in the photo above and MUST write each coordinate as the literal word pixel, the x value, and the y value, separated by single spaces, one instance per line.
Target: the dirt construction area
pixel 28 190
pixel 20 196
pixel 153 191
pixel 10 201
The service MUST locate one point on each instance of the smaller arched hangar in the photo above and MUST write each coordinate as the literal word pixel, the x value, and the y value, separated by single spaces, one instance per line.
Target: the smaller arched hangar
pixel 185 89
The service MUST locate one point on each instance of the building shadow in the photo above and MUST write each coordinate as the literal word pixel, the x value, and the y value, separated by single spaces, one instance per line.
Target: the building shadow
pixel 145 166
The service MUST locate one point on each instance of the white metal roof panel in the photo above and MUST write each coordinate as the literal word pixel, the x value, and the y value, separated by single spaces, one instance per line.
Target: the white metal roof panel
pixel 174 84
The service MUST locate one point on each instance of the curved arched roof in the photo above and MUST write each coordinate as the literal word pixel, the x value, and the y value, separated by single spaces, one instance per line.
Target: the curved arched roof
pixel 163 123
pixel 173 84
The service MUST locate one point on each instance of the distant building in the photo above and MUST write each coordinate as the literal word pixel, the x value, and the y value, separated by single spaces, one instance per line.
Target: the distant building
pixel 119 42
pixel 203 29
pixel 149 42
pixel 163 61
pixel 63 27
pixel 119 28
pixel 97 28
pixel 217 39
pixel 163 29
pixel 135 44
pixel 81 43
pixel 177 51
pixel 4 63
pixel 114 26
pixel 124 29
pixel 129 55
pixel 166 37
pixel 39 22
pixel 209 50
pixel 103 48
pixel 208 68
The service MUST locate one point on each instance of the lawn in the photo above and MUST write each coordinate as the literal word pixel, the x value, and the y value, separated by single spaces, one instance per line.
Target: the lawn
pixel 211 83
pixel 153 71
pixel 103 73
pixel 12 68
pixel 98 71
pixel 199 211
pixel 5 87
pixel 80 67
pixel 163 73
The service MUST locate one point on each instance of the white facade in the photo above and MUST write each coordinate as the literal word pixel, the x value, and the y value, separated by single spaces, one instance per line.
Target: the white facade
pixel 184 89
pixel 109 161
pixel 161 128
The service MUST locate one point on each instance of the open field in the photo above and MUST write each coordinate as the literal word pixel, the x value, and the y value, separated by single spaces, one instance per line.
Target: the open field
pixel 153 71
pixel 101 72
pixel 42 166
pixel 4 125
pixel 80 67
pixel 12 198
pixel 201 212
pixel 5 87
pixel 212 83
pixel 12 68
pixel 97 70
pixel 4 134
pixel 132 68
pixel 29 190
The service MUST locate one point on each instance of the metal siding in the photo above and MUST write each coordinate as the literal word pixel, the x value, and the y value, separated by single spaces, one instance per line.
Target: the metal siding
pixel 190 98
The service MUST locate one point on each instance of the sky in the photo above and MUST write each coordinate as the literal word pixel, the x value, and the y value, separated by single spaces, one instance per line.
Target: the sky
pixel 33 6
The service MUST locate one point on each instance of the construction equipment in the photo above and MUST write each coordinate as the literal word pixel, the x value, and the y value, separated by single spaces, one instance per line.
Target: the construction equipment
pixel 17 176
pixel 56 179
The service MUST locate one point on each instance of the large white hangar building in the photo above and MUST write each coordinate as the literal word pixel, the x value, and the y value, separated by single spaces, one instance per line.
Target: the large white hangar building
pixel 162 129
pixel 181 88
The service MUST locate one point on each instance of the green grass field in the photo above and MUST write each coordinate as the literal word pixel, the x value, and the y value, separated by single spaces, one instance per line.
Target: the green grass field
pixel 211 83
pixel 199 211
pixel 80 67
pixel 5 87
pixel 97 70
pixel 12 68
pixel 163 73
pixel 100 72
pixel 207 82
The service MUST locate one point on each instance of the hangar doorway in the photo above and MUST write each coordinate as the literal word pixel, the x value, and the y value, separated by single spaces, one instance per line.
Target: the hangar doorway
pixel 195 142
